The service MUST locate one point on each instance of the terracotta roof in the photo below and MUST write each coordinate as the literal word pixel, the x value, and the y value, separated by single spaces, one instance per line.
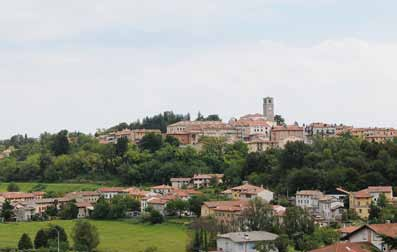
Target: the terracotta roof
pixel 385 189
pixel 111 189
pixel 82 193
pixel 248 189
pixel 385 229
pixel 160 187
pixel 279 210
pixel 348 230
pixel 288 128
pixel 17 195
pixel 231 205
pixel 346 247
pixel 83 204
pixel 207 176
pixel 362 194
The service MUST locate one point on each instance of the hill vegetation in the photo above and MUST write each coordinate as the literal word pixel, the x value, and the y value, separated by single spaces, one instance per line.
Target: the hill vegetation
pixel 327 163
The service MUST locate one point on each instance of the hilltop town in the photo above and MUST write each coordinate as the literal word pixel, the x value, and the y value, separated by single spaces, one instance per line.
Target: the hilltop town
pixel 250 182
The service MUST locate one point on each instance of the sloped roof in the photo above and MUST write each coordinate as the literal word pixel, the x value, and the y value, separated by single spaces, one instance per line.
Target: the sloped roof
pixel 254 236
pixel 346 247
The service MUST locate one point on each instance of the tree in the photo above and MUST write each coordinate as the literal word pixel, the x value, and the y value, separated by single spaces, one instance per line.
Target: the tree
pixel 391 242
pixel 151 142
pixel 85 236
pixel 69 211
pixel 41 239
pixel 7 211
pixel 52 211
pixel 121 146
pixel 374 213
pixel 279 120
pixel 258 216
pixel 156 217
pixel 382 201
pixel 25 242
pixel 60 145
pixel 297 224
pixel 171 140
pixel 101 209
pixel 12 187
pixel 195 203
pixel 176 207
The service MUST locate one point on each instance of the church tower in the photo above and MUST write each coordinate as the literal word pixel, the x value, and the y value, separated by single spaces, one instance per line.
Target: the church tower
pixel 268 108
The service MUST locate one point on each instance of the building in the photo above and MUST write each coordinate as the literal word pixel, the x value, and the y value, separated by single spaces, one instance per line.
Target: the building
pixel 133 136
pixel 268 108
pixel 19 196
pixel 250 126
pixel 161 189
pixel 205 180
pixel 256 144
pixel 85 209
pixel 224 210
pixel 321 129
pixel 330 209
pixel 308 199
pixel 346 247
pixel 243 241
pixel 284 134
pixel 372 234
pixel 361 201
pixel 84 196
pixel 248 192
pixel 110 192
pixel 181 182
pixel 379 135
pixel 23 213
pixel 190 132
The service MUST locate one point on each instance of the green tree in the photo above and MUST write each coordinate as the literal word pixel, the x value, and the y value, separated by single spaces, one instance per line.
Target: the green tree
pixel 121 146
pixel 382 201
pixel 156 217
pixel 85 236
pixel 374 213
pixel 60 145
pixel 13 187
pixel 173 141
pixel 69 211
pixel 101 209
pixel 176 207
pixel 151 142
pixel 279 120
pixel 7 211
pixel 195 203
pixel 41 239
pixel 258 216
pixel 25 243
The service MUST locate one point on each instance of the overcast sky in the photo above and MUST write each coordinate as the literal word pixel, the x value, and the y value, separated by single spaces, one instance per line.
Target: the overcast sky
pixel 88 64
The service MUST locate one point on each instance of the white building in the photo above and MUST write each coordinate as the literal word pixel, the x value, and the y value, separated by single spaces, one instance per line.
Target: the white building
pixel 243 241
pixel 308 198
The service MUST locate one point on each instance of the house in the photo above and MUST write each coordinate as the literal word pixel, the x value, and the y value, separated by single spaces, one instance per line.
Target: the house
pixel 346 247
pixel 23 213
pixel 190 132
pixel 308 198
pixel 252 125
pixel 373 234
pixel 347 230
pixel 41 205
pixel 224 210
pixel 257 143
pixel 284 134
pixel 19 196
pixel 321 129
pixel 84 196
pixel 243 241
pixel 330 209
pixel 84 209
pixel 110 192
pixel 133 136
pixel 180 182
pixel 138 194
pixel 205 180
pixel 161 189
pixel 247 192
pixel 361 201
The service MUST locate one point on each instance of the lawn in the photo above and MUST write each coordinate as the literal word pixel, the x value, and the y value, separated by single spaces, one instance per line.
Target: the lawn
pixel 114 235
pixel 55 187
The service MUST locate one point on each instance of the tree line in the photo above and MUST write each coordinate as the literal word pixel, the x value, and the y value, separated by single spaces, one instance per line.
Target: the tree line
pixel 326 164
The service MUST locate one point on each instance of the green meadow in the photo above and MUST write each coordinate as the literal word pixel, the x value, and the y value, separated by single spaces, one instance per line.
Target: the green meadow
pixel 122 236
pixel 54 187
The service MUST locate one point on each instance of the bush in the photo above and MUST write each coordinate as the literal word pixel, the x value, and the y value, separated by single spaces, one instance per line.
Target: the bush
pixel 12 187
pixel 156 217
pixel 25 242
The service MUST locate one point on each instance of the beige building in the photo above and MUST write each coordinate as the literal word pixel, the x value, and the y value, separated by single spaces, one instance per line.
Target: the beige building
pixel 284 134
pixel 133 136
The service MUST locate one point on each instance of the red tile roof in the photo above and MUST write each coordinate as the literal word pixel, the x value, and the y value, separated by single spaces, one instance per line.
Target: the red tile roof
pixel 385 229
pixel 348 230
pixel 346 247
pixel 111 189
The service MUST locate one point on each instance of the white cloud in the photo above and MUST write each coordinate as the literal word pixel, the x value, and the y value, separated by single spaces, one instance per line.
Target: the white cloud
pixel 348 80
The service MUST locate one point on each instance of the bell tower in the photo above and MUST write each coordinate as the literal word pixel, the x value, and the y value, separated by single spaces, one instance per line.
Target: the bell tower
pixel 268 108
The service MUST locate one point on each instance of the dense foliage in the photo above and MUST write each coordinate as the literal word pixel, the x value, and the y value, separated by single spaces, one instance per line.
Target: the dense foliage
pixel 326 164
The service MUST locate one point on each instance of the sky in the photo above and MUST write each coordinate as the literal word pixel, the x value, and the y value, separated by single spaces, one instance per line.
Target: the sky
pixel 84 65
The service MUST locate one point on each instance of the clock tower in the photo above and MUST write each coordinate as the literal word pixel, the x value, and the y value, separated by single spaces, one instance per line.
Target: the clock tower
pixel 268 108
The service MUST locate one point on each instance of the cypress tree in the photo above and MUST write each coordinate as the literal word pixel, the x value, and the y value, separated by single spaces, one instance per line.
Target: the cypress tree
pixel 25 242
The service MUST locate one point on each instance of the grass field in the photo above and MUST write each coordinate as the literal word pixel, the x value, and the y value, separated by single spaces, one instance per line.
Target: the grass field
pixel 114 235
pixel 55 187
